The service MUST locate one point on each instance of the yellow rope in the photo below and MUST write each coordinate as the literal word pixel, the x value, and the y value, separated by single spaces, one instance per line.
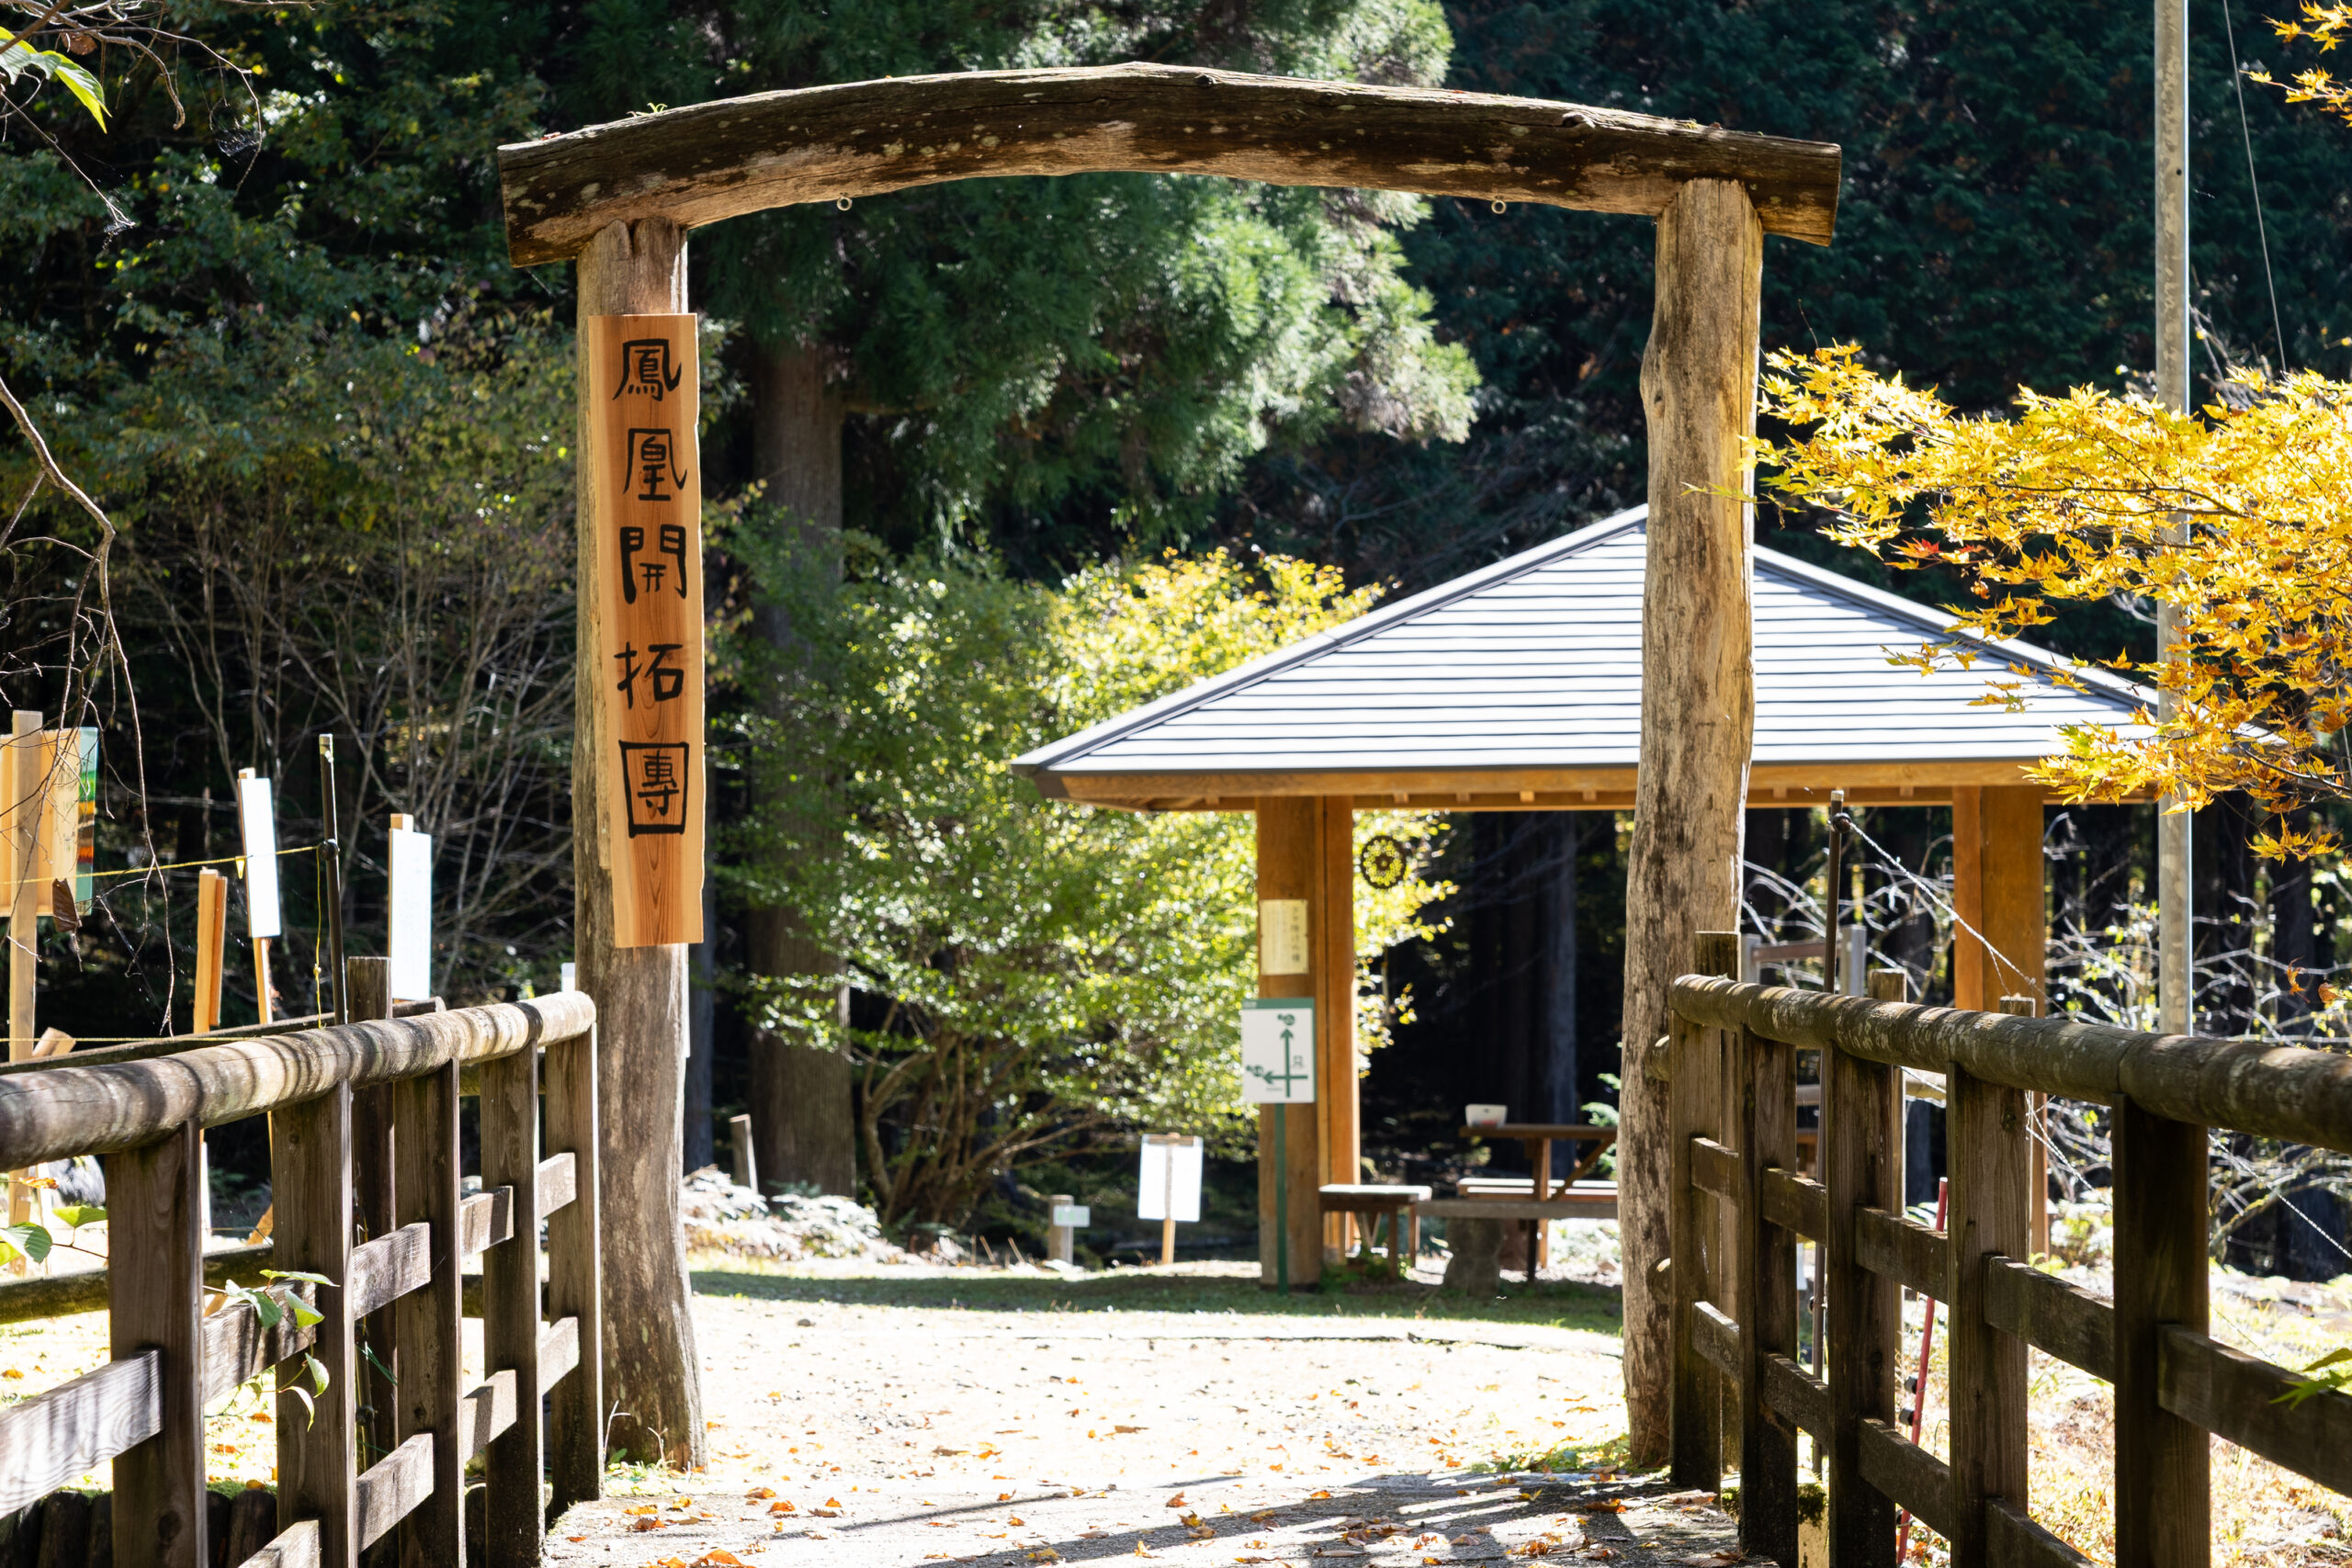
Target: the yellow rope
pixel 190 865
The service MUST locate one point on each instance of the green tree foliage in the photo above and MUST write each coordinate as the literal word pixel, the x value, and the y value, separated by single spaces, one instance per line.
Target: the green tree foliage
pixel 1034 979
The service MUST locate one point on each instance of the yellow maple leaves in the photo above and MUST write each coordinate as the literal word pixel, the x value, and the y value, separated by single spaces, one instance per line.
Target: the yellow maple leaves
pixel 2238 518
pixel 2327 27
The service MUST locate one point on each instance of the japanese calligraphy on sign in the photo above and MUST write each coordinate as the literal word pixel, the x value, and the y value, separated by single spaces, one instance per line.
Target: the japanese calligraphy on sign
pixel 645 508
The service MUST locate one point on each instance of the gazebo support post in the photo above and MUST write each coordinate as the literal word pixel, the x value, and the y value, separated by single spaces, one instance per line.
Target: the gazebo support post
pixel 1999 879
pixel 1698 710
pixel 1333 921
pixel 1289 869
pixel 651 1368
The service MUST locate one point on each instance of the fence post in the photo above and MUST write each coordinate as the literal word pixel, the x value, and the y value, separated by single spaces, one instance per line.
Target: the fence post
pixel 1767 1270
pixel 575 1277
pixel 368 992
pixel 2163 1478
pixel 1992 1179
pixel 1694 1074
pixel 426 1323
pixel 155 1281
pixel 309 1183
pixel 510 1310
pixel 1861 1165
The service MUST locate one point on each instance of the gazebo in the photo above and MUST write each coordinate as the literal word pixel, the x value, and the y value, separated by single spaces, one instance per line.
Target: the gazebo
pixel 1518 688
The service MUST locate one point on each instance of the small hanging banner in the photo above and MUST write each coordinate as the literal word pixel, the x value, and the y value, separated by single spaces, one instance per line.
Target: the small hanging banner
pixel 409 965
pixel 1278 1051
pixel 85 822
pixel 258 825
pixel 645 506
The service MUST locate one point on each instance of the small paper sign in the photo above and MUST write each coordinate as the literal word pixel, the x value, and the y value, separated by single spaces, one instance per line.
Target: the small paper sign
pixel 1073 1217
pixel 1278 1051
pixel 1170 1188
pixel 257 827
pixel 1486 1115
pixel 1282 936
pixel 410 962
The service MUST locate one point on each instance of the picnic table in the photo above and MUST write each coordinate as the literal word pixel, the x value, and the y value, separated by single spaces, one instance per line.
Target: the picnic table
pixel 1565 1199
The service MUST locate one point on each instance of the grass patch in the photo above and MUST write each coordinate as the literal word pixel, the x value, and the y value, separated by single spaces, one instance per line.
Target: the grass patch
pixel 1556 1305
pixel 1564 1458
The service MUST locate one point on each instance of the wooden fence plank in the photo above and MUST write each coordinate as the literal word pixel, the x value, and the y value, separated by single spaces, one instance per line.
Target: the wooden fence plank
pixel 1714 1168
pixel 511 1323
pixel 1862 1164
pixel 50 1440
pixel 576 1277
pixel 1715 1337
pixel 2238 1397
pixel 155 1242
pixel 310 1168
pixel 429 1323
pixel 1802 1399
pixel 559 1353
pixel 1767 1269
pixel 1915 1257
pixel 1989 1215
pixel 486 1412
pixel 1797 1203
pixel 1694 1113
pixel 61 1295
pixel 385 1269
pixel 557 1182
pixel 1910 1475
pixel 2163 1480
pixel 484 1220
pixel 368 987
pixel 2014 1541
pixel 296 1546
pixel 2051 1315
pixel 393 1487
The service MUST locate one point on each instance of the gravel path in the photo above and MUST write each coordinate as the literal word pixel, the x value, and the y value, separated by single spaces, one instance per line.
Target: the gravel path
pixel 872 1433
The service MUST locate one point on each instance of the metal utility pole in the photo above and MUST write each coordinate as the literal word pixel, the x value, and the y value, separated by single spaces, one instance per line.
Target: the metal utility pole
pixel 2175 979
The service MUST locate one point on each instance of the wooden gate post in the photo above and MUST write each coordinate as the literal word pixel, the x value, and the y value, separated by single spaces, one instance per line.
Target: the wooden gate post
pixel 1992 1175
pixel 2163 1474
pixel 1694 1078
pixel 1698 704
pixel 1766 1266
pixel 154 1285
pixel 509 1306
pixel 652 1372
pixel 1861 1165
pixel 367 987
pixel 576 1277
pixel 427 1324
pixel 309 1183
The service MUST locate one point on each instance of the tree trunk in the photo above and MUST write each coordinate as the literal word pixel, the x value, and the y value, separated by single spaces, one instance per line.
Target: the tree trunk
pixel 1698 709
pixel 702 958
pixel 652 1370
pixel 802 1129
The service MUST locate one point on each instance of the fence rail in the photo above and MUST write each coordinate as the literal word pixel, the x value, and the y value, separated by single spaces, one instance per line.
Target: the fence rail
pixel 364 1176
pixel 1730 1065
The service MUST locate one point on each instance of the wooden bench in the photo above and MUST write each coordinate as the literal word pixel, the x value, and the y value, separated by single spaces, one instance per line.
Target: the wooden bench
pixel 1397 1203
pixel 1475 1226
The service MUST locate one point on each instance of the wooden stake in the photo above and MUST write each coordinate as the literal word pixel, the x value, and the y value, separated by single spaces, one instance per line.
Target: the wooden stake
pixel 21 794
pixel 211 940
pixel 1167 1241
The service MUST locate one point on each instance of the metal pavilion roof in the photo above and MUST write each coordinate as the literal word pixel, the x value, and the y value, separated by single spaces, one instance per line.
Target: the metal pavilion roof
pixel 1519 685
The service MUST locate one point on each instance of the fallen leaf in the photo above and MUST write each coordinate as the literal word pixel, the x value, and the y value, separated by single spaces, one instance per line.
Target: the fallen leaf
pixel 1175 1502
pixel 784 1507
pixel 575 1539
pixel 826 1513
pixel 836 1501
pixel 1015 1521
pixel 1312 1497
pixel 714 1558
pixel 1005 1497
pixel 1133 1428
pixel 1606 1506
pixel 1723 1559
pixel 647 1525
pixel 759 1494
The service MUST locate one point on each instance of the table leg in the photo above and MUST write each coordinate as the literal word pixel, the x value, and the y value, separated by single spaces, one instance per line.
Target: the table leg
pixel 1543 1192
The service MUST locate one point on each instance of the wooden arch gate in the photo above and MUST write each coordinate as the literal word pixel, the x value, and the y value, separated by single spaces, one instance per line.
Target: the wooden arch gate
pixel 618 199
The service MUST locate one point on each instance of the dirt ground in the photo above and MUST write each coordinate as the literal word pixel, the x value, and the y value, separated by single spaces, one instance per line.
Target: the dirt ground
pixel 1016 1415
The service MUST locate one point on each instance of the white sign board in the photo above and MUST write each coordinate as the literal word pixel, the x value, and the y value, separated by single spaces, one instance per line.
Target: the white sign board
pixel 1278 1051
pixel 257 824
pixel 568 983
pixel 410 977
pixel 1073 1217
pixel 1170 1184
pixel 1282 936
pixel 1486 1115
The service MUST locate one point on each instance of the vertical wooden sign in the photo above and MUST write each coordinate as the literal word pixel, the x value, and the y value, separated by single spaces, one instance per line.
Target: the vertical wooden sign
pixel 645 504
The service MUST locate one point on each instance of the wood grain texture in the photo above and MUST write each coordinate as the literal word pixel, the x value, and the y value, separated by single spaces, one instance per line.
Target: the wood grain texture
pixel 1715 1337
pixel 1795 1203
pixel 1289 838
pixel 698 165
pixel 310 1167
pixel 427 1324
pixel 1796 1396
pixel 653 1373
pixel 557 1184
pixel 1695 1073
pixel 485 1219
pixel 391 1488
pixel 298 1545
pixel 2052 1315
pixel 368 985
pixel 2014 1541
pixel 2163 1480
pixel 1908 1474
pixel 511 1324
pixel 1333 923
pixel 575 1278
pixel 2238 1397
pixel 67 1111
pixel 2274 1091
pixel 385 1269
pixel 1768 1302
pixel 155 1243
pixel 1862 1162
pixel 1698 705
pixel 1991 1171
pixel 51 1439
pixel 486 1412
pixel 1915 1257
pixel 238 1348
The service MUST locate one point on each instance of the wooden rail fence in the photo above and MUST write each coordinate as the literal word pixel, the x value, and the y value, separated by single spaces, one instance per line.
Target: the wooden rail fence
pixel 1730 1063
pixel 364 1176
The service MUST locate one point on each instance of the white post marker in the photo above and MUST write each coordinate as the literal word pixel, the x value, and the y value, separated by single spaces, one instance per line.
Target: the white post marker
pixel 1168 1188
pixel 1067 1220
pixel 410 965
pixel 257 830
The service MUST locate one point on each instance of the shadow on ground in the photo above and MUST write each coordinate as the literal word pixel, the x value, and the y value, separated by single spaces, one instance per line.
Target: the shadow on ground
pixel 1546 1305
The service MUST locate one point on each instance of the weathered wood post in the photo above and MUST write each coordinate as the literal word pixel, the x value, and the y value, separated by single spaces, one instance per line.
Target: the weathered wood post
pixel 652 1370
pixel 1861 1165
pixel 1766 1119
pixel 1694 1077
pixel 309 1181
pixel 1698 704
pixel 2163 1471
pixel 155 1291
pixel 1289 874
pixel 1333 919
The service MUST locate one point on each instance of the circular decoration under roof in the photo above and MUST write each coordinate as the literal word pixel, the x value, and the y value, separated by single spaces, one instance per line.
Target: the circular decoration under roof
pixel 1383 861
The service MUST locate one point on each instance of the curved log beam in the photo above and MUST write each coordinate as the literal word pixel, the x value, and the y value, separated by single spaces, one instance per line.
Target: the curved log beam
pixel 715 161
